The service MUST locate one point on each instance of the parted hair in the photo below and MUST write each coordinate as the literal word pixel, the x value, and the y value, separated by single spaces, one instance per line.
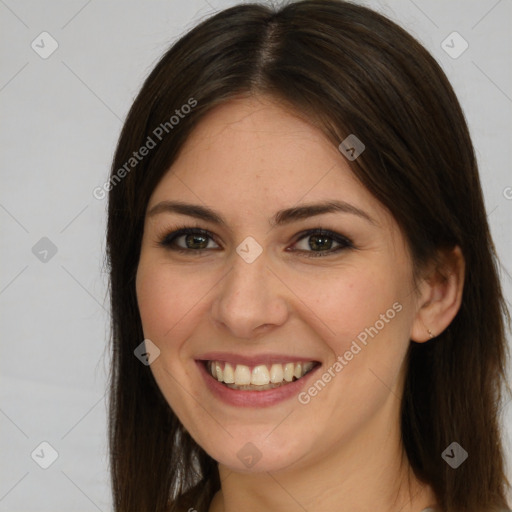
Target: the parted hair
pixel 347 69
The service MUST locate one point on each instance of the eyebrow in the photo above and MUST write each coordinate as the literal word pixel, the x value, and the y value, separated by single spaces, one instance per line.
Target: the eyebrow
pixel 281 217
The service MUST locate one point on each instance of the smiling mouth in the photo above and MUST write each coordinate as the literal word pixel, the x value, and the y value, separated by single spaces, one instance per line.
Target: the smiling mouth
pixel 258 378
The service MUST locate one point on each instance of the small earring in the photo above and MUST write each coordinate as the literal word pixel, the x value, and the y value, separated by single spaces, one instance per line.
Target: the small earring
pixel 431 334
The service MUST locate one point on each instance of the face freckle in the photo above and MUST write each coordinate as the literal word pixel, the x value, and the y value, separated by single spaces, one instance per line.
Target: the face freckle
pixel 247 160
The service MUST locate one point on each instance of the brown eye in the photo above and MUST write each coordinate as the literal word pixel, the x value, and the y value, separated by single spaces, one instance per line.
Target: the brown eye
pixel 194 240
pixel 320 242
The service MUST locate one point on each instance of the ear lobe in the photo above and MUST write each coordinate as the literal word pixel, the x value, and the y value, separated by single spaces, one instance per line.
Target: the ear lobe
pixel 440 296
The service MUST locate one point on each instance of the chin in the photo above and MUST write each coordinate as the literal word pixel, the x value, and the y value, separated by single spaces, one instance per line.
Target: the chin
pixel 258 453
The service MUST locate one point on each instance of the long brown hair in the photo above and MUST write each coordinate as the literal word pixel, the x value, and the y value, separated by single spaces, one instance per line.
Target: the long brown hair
pixel 347 69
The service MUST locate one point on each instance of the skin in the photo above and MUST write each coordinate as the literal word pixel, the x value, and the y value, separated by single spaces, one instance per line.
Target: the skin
pixel 342 451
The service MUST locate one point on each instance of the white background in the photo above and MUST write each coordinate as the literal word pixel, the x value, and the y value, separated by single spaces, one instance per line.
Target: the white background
pixel 60 120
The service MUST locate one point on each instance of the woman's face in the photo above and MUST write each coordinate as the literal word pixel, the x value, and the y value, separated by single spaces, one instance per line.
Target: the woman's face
pixel 263 295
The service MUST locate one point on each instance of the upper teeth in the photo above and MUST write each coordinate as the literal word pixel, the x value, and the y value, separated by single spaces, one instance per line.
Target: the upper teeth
pixel 260 375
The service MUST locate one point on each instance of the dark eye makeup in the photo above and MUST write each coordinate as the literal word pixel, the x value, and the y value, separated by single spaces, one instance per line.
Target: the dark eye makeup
pixel 319 239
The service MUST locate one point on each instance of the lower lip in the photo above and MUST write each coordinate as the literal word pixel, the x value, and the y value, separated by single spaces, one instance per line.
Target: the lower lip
pixel 265 398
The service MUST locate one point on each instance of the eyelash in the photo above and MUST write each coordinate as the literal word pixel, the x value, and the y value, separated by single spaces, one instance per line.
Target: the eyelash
pixel 168 241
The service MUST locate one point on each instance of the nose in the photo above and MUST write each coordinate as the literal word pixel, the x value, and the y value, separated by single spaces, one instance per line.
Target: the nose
pixel 250 299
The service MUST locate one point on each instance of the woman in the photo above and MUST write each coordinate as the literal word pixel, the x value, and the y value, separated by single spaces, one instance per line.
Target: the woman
pixel 306 309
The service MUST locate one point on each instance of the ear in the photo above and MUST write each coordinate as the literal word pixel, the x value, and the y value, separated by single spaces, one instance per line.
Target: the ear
pixel 440 295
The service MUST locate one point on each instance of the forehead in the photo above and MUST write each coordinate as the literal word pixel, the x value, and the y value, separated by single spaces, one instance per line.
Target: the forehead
pixel 252 154
pixel 243 128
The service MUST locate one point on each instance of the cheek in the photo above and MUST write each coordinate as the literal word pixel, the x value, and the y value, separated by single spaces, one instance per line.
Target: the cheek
pixel 156 304
pixel 172 304
pixel 366 301
pixel 373 328
pixel 163 307
pixel 349 303
pixel 368 316
pixel 370 320
pixel 164 298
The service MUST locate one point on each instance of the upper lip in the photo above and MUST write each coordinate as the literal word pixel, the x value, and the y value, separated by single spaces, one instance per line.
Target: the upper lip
pixel 254 360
